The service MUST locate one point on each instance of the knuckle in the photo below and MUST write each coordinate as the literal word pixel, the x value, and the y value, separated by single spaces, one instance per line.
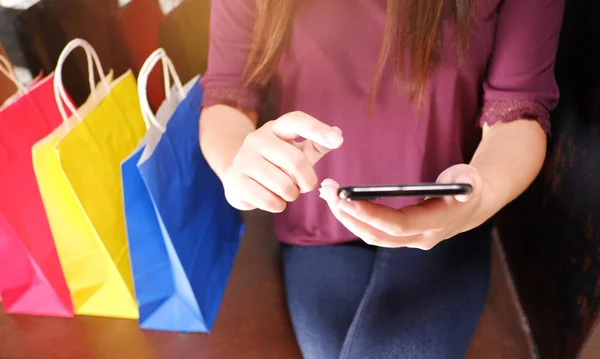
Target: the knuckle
pixel 248 141
pixel 229 185
pixel 314 128
pixel 230 198
pixel 311 180
pixel 290 116
pixel 235 168
pixel 252 139
pixel 289 190
pixel 235 189
pixel 275 204
pixel 235 176
pixel 297 160
pixel 242 184
pixel 233 200
pixel 295 114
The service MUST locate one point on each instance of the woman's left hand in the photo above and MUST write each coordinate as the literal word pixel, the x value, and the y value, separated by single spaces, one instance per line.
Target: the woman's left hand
pixel 422 225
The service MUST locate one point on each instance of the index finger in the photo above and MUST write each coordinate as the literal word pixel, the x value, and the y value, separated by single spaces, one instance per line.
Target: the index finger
pixel 299 124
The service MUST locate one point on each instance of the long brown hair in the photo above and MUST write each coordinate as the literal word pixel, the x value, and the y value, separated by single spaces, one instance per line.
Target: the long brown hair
pixel 414 25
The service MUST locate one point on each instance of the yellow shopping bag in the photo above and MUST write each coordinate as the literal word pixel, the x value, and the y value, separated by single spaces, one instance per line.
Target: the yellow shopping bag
pixel 78 172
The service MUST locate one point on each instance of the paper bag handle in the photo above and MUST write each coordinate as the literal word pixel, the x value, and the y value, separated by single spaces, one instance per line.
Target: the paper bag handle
pixel 7 70
pixel 168 69
pixel 60 93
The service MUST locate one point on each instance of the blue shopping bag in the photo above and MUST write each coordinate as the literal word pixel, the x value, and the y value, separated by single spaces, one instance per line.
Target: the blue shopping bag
pixel 183 235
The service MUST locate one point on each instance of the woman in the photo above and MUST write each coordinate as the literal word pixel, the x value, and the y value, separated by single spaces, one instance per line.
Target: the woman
pixel 374 92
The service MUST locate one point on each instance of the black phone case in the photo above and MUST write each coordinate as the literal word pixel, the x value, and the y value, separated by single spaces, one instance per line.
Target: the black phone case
pixel 369 193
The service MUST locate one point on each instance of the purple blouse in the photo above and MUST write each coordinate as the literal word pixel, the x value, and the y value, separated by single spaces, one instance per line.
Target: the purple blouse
pixel 507 74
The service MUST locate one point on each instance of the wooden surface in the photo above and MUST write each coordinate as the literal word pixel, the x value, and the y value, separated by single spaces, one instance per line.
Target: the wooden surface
pixel 502 333
pixel 252 323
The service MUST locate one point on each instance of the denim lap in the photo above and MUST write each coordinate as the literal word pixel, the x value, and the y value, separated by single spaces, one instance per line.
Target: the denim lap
pixel 356 301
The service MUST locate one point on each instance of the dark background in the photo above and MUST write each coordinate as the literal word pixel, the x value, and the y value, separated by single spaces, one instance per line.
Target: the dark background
pixel 552 233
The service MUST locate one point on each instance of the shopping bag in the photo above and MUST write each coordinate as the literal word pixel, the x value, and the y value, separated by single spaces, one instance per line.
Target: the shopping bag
pixel 31 279
pixel 183 235
pixel 78 172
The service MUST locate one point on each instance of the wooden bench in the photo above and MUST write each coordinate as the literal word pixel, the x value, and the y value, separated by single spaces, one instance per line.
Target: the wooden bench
pixel 252 322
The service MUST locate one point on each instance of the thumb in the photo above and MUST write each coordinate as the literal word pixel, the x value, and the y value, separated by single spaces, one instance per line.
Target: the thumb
pixel 463 174
pixel 313 151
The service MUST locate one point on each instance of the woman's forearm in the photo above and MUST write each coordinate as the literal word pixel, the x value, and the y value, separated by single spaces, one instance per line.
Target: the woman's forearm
pixel 509 157
pixel 222 132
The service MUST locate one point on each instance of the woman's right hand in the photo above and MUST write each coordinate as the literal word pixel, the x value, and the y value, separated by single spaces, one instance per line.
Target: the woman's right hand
pixel 271 168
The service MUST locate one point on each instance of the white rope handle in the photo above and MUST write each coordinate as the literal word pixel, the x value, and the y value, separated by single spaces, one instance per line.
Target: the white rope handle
pixel 60 94
pixel 168 69
pixel 7 70
pixel 143 83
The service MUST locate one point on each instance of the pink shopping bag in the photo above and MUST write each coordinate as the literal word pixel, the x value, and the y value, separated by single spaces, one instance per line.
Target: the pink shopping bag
pixel 31 278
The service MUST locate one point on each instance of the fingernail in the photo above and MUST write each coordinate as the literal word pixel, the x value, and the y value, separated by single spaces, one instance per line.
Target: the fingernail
pixel 462 197
pixel 323 195
pixel 334 138
pixel 329 183
pixel 337 129
pixel 327 192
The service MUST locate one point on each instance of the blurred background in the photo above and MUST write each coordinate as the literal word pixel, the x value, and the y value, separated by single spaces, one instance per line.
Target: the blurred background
pixel 550 236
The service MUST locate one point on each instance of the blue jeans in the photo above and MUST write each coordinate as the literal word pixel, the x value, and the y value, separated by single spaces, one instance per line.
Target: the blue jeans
pixel 357 301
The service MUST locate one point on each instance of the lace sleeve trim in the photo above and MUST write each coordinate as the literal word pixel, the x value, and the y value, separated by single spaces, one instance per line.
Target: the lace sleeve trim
pixel 511 110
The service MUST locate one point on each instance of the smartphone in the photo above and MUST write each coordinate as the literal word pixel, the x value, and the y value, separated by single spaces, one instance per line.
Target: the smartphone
pixel 369 193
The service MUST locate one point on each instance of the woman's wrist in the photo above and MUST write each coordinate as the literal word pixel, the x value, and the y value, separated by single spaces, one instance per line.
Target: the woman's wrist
pixel 223 130
pixel 489 202
pixel 493 193
pixel 508 159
